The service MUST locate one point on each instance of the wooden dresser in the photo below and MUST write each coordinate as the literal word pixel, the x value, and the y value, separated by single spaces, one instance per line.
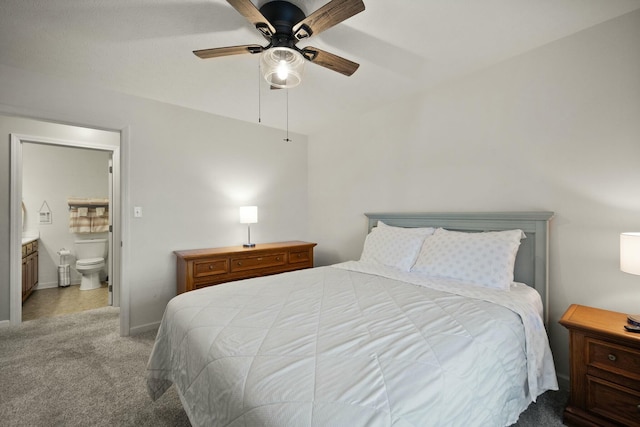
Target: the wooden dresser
pixel 200 268
pixel 605 369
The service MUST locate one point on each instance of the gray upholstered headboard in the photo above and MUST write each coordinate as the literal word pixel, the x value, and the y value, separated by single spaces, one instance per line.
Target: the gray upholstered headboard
pixel 532 259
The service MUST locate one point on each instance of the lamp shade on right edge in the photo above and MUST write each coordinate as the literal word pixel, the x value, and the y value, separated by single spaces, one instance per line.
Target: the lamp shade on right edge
pixel 630 253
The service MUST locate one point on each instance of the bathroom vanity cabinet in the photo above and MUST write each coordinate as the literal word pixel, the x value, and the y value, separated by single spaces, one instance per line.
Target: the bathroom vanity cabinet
pixel 29 268
pixel 200 268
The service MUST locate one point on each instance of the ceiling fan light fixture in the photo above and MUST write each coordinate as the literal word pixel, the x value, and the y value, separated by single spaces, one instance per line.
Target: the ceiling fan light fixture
pixel 282 67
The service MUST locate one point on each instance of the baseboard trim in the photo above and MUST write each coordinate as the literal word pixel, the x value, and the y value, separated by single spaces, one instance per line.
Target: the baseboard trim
pixel 4 323
pixel 51 285
pixel 47 285
pixel 143 328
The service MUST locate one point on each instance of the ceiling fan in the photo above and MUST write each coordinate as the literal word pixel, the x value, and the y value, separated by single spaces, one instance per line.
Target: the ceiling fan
pixel 284 24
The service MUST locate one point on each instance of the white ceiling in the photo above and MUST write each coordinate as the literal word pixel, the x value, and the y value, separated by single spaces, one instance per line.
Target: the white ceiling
pixel 143 48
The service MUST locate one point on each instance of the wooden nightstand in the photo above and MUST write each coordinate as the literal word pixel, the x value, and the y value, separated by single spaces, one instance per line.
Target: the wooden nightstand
pixel 605 368
pixel 200 268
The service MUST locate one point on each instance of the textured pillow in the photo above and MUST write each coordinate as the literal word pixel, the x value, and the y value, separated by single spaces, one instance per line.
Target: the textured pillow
pixel 423 231
pixel 393 246
pixel 485 259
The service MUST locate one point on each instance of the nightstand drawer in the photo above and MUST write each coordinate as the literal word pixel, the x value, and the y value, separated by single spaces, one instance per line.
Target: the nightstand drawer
pixel 613 358
pixel 210 267
pixel 250 263
pixel 613 401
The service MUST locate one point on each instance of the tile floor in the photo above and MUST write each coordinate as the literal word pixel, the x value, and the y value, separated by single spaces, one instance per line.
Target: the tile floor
pixel 59 301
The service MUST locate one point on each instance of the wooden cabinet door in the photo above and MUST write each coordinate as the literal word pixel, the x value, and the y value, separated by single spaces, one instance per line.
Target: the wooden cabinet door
pixel 29 273
pixel 34 270
pixel 24 277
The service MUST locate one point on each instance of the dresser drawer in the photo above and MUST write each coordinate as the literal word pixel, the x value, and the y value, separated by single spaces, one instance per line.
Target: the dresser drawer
pixel 256 262
pixel 299 256
pixel 210 267
pixel 613 401
pixel 204 284
pixel 613 358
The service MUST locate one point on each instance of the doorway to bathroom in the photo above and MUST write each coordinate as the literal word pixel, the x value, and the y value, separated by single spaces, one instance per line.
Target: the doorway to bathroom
pixel 46 173
pixel 65 205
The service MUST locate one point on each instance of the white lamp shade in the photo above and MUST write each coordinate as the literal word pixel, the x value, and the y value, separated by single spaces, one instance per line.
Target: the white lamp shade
pixel 630 253
pixel 248 214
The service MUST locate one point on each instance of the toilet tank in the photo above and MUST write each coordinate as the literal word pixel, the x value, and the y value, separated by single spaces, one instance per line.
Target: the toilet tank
pixel 91 248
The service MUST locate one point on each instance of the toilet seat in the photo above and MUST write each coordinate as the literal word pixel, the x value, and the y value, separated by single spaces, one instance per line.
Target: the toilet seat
pixel 89 262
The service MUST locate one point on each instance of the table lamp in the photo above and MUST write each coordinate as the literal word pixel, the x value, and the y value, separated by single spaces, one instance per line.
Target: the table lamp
pixel 249 215
pixel 630 261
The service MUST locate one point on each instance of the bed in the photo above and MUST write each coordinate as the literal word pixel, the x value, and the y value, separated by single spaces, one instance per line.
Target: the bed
pixel 418 332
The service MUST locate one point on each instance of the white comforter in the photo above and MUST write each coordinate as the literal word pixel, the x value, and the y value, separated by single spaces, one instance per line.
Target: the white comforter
pixel 347 346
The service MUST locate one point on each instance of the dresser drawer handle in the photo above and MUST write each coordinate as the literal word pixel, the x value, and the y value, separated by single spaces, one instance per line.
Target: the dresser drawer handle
pixel 638 407
pixel 612 357
pixel 299 255
pixel 210 266
pixel 239 263
pixel 277 258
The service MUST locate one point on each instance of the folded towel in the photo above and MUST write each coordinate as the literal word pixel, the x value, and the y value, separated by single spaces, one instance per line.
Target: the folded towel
pixel 100 211
pixel 94 201
pixel 97 201
pixel 76 201
pixel 83 211
pixel 78 224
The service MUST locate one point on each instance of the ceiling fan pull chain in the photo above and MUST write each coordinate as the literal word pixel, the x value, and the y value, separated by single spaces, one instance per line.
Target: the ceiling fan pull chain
pixel 287 138
pixel 259 94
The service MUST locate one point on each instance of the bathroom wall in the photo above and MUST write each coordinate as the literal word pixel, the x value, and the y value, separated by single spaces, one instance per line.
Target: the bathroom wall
pixel 54 173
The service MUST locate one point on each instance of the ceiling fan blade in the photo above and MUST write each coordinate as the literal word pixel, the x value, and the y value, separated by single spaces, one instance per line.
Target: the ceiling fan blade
pixel 326 17
pixel 253 15
pixel 330 61
pixel 226 51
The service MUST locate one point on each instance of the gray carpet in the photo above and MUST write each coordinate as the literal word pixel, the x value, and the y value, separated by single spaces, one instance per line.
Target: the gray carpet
pixel 76 370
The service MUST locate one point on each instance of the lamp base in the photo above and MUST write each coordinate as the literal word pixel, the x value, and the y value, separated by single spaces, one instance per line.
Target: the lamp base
pixel 249 245
pixel 633 319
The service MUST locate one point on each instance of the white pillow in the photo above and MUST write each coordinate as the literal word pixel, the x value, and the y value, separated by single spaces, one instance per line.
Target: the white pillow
pixel 485 259
pixel 393 246
pixel 423 231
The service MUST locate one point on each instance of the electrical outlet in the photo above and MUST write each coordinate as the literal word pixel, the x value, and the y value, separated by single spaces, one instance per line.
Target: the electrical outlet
pixel 137 212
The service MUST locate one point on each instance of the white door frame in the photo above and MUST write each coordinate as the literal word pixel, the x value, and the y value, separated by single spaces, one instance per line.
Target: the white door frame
pixel 15 270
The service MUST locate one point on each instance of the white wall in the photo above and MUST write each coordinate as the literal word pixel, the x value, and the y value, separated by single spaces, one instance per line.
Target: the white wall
pixel 555 129
pixel 190 171
pixel 53 174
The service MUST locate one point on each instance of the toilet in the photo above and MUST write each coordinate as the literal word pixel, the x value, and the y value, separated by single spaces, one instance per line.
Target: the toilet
pixel 90 255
